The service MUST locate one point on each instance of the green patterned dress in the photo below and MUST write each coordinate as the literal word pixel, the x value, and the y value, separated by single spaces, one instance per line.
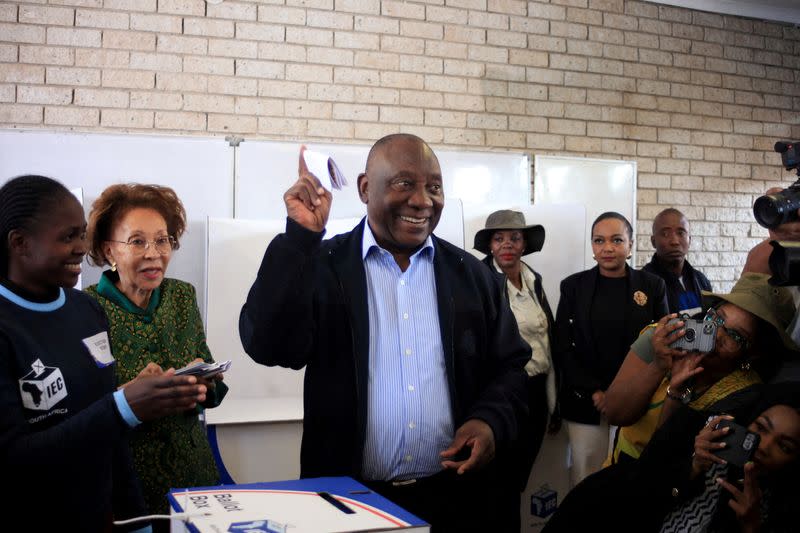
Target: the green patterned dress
pixel 171 452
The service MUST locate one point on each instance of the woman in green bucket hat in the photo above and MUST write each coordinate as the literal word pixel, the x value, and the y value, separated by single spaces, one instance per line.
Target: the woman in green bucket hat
pixel 656 379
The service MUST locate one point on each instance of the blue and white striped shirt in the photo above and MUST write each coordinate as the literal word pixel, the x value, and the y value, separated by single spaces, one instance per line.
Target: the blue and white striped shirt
pixel 409 420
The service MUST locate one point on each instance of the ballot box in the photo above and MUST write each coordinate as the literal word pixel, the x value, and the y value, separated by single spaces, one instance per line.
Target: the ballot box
pixel 318 505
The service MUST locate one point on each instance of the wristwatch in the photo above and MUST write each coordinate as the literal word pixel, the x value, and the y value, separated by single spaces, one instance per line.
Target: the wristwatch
pixel 684 396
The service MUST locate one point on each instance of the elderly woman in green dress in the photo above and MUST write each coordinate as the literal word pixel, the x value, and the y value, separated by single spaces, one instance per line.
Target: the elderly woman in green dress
pixel 155 326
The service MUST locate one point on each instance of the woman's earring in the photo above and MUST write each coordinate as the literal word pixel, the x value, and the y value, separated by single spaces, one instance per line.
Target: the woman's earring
pixel 593 256
pixel 745 365
pixel 629 256
pixel 113 266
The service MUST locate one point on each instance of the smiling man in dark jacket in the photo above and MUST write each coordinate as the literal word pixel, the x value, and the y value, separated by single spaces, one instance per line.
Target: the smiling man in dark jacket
pixel 414 365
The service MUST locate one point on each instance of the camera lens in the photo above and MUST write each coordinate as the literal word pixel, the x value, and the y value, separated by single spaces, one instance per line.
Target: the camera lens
pixel 708 328
pixel 772 210
pixel 689 335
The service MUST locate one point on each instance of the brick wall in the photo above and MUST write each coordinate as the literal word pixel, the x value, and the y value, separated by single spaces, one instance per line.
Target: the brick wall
pixel 697 99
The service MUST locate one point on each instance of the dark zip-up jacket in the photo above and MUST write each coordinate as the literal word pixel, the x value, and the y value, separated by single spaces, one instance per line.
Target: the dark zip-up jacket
pixel 308 308
pixel 694 280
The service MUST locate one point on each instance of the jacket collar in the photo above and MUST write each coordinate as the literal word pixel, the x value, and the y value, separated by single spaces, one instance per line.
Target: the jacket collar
pixel 663 272
pixel 368 242
pixel 107 287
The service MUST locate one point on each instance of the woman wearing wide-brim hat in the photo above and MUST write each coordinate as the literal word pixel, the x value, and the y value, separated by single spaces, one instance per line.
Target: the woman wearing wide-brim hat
pixel 505 239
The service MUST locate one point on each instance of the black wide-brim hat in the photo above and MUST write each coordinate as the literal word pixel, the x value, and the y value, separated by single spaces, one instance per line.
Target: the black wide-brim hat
pixel 506 219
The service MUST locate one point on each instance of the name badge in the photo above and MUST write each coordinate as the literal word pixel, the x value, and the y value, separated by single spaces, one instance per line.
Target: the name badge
pixel 100 348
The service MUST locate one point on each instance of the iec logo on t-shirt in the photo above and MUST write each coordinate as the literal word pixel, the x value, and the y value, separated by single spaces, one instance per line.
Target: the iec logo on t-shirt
pixel 43 387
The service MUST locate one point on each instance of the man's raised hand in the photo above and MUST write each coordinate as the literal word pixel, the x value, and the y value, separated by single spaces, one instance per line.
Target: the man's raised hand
pixel 307 201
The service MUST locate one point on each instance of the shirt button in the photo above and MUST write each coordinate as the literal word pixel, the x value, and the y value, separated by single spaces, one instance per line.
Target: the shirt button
pixel 408 351
pixel 408 458
pixel 402 282
pixel 405 316
pixel 412 425
pixel 411 387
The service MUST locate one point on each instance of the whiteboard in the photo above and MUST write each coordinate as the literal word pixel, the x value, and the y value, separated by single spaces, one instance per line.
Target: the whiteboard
pixel 564 227
pixel 235 250
pixel 265 170
pixel 599 184
pixel 200 170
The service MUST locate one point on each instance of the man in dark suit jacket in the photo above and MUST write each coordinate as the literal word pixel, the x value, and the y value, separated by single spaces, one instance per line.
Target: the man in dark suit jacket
pixel 324 306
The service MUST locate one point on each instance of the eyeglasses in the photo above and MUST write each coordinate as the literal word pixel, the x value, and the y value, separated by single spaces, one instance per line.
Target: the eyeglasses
pixel 162 245
pixel 713 316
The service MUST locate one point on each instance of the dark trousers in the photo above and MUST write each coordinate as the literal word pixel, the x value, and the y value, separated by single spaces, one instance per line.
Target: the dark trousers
pixel 517 467
pixel 449 502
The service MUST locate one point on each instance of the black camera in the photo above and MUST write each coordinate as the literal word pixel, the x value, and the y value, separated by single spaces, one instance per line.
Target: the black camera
pixel 772 210
pixel 784 263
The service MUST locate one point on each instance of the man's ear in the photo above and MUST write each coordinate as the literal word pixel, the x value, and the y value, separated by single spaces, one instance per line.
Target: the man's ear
pixel 653 241
pixel 363 187
pixel 17 243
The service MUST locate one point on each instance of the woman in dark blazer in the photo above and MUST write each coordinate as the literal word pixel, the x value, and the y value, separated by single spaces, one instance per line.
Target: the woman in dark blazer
pixel 600 314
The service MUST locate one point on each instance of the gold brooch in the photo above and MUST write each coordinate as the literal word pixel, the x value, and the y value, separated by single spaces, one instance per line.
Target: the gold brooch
pixel 640 298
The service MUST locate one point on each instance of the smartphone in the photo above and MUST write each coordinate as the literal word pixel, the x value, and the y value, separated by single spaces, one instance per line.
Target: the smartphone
pixel 698 336
pixel 741 443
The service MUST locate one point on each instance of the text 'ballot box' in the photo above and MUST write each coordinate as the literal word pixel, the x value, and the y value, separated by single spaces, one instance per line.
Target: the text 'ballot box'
pixel 318 505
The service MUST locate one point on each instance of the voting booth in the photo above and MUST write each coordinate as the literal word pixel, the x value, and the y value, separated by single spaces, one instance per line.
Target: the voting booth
pixel 315 505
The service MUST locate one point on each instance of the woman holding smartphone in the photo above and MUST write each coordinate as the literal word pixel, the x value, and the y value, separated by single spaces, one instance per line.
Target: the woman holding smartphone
pixel 682 483
pixel 154 325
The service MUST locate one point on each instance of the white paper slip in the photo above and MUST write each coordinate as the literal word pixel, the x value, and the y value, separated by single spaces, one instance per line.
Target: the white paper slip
pixel 325 169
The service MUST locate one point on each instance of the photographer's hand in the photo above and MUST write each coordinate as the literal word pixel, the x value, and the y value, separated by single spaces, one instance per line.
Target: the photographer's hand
pixel 746 503
pixel 704 445
pixel 684 368
pixel 663 335
pixel 599 400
